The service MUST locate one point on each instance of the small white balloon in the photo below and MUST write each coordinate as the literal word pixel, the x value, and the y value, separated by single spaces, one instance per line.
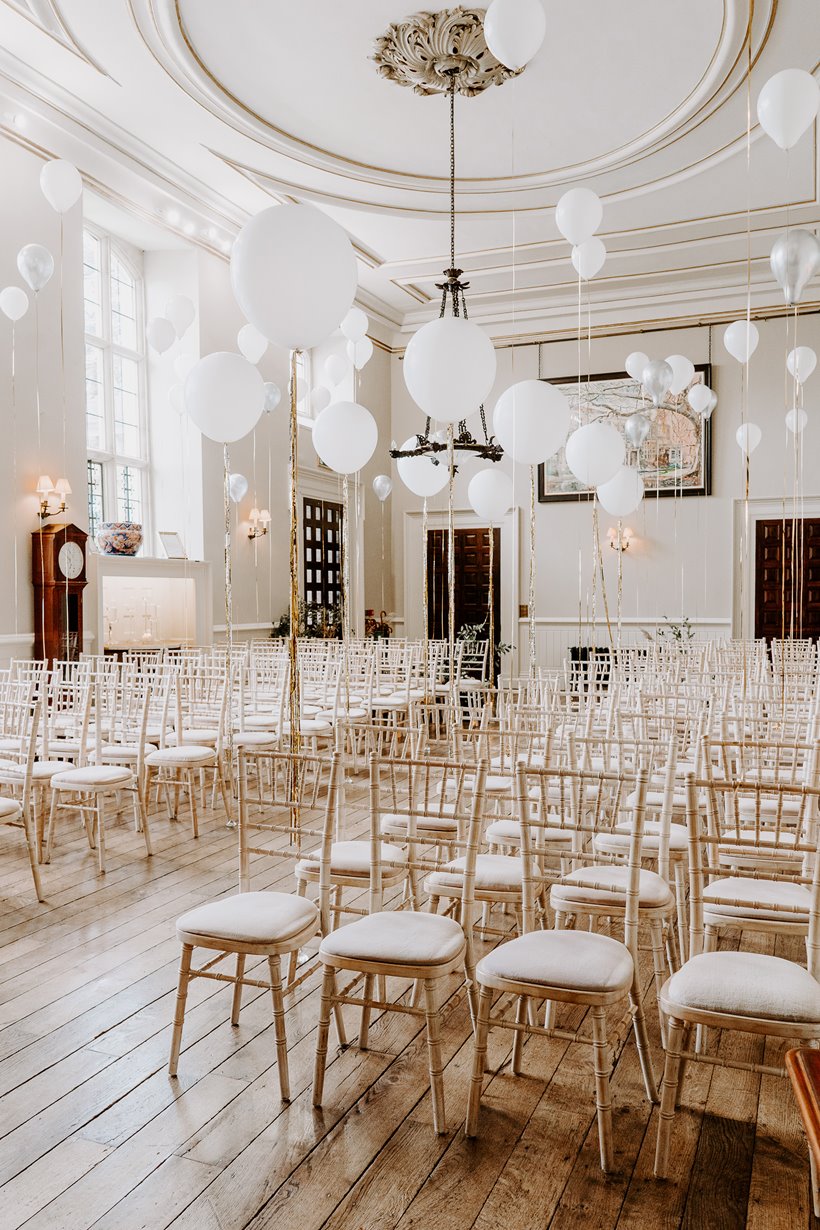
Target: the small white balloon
pixel 335 370
pixel 180 311
pixel 237 487
pixel 36 265
pixel 302 388
pixel 183 364
pixel 683 372
pixel 320 399
pixel 273 396
pixel 161 334
pixel 13 302
pixel 623 493
pixel 699 398
pixel 740 338
pixel 748 436
pixel 707 413
pixel 531 420
pixel 449 368
pixel 61 184
pixel 360 352
pixel 382 485
pixel 578 215
pixel 224 395
pixel 424 476
pixel 801 362
pixel 635 364
pixel 514 30
pixel 490 493
pixel 354 325
pixel 657 380
pixel 795 259
pixel 251 343
pixel 588 257
pixel 595 453
pixel 796 420
pixel 345 436
pixel 787 105
pixel 176 396
pixel 636 429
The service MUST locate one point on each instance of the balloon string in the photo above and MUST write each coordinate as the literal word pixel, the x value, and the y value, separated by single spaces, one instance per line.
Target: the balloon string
pixel 226 502
pixel 531 594
pixel 40 462
pixel 14 466
pixel 62 387
pixel 293 645
pixel 424 585
pixel 491 608
pixel 451 566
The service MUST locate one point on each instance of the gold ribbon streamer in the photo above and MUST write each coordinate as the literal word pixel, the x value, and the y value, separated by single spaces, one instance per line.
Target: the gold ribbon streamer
pixel 451 567
pixel 293 644
pixel 531 595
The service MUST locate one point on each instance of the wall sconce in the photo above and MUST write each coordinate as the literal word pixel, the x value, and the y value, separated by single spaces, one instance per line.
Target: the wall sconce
pixel 259 523
pixel 45 489
pixel 619 539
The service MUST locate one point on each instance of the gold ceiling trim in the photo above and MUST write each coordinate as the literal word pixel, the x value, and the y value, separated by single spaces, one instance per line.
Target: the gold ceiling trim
pixel 66 38
pixel 434 53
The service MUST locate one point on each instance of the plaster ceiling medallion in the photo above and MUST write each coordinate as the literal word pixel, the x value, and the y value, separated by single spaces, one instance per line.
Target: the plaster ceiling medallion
pixel 431 52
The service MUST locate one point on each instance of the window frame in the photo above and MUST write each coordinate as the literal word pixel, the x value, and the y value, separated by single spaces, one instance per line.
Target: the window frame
pixel 109 457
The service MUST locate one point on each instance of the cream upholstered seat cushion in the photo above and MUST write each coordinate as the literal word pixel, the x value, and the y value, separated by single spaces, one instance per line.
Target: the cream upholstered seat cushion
pixel 193 734
pixel 654 800
pixel 10 809
pixel 397 937
pixel 93 777
pixel 189 755
pixel 442 822
pixel 249 918
pixel 748 984
pixel 507 832
pixel 493 872
pixel 775 900
pixel 41 770
pixel 578 960
pixel 261 721
pixel 124 751
pixel 310 726
pixel 352 858
pixel 617 840
pixel 255 738
pixel 607 886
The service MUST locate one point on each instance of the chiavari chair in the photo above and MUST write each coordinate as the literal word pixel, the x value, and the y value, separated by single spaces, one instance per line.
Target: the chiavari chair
pixel 20 719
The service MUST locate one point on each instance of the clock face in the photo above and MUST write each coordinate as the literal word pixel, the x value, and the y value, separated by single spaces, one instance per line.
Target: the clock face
pixel 70 560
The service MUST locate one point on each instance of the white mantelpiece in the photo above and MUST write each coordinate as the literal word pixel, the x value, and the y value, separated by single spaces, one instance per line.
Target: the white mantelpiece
pixel 169 599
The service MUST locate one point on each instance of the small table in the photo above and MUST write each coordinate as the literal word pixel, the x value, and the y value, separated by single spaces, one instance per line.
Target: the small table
pixel 803 1067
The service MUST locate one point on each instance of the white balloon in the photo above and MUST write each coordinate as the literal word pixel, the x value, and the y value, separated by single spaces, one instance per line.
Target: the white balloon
pixel 595 453
pixel 273 396
pixel 161 334
pixel 787 105
pixel 490 494
pixel 801 361
pixel 796 421
pixel 531 420
pixel 273 262
pixel 423 476
pixel 360 352
pixel 354 325
pixel 61 184
pixel 514 30
pixel 251 343
pixel 176 396
pixel 36 265
pixel 657 380
pixel 345 436
pixel 449 368
pixel 623 493
pixel 237 487
pixel 699 398
pixel 180 311
pixel 302 389
pixel 382 485
pixel 336 368
pixel 588 257
pixel 748 436
pixel 13 302
pixel 707 413
pixel 578 215
pixel 740 338
pixel 183 364
pixel 320 399
pixel 224 395
pixel 683 372
pixel 635 364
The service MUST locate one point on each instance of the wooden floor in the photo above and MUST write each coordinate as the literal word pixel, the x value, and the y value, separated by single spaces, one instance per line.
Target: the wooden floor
pixel 93 1132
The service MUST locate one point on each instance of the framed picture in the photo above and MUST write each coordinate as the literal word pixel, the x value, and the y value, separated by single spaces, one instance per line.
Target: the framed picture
pixel 675 458
pixel 172 545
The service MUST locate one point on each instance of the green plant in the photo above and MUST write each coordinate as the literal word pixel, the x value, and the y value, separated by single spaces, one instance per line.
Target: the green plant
pixel 678 631
pixel 315 620
pixel 469 633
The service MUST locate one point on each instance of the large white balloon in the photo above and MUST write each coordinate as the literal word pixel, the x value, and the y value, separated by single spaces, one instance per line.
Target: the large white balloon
pixel 360 352
pixel 354 325
pixel 252 344
pixel 595 453
pixel 748 436
pixel 293 272
pixel 13 302
pixel 449 368
pixel 623 493
pixel 787 105
pixel 635 364
pixel 796 421
pixel 801 361
pixel 345 436
pixel 224 395
pixel 180 311
pixel 578 214
pixel 531 421
pixel 423 476
pixel 161 334
pixel 490 494
pixel 36 265
pixel 61 184
pixel 683 371
pixel 588 257
pixel 740 339
pixel 514 30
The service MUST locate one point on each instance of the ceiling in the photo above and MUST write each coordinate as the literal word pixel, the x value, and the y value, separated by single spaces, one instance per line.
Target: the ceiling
pixel 212 110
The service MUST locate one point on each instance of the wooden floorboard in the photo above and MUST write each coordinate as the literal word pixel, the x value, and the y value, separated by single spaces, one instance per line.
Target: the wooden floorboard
pixel 93 1132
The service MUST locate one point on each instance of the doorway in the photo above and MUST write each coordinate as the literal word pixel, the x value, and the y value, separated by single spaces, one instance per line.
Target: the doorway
pixel 787 578
pixel 472 569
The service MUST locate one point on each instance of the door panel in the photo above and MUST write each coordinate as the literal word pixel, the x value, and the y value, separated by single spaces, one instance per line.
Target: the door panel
pixel 787 578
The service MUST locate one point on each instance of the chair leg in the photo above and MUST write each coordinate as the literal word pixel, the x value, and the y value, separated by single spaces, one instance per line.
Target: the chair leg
pixel 642 1043
pixel 179 1009
pixel 192 800
pixel 141 819
pixel 99 813
pixel 52 813
pixel 433 1017
pixel 518 1036
pixel 364 1027
pixel 603 1103
pixel 658 962
pixel 236 1002
pixel 669 1092
pixel 482 1027
pixel 275 967
pixel 680 903
pixel 815 1187
pixel 29 827
pixel 320 1060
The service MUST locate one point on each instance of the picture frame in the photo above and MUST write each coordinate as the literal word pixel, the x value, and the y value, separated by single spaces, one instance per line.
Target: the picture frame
pixel 172 544
pixel 675 459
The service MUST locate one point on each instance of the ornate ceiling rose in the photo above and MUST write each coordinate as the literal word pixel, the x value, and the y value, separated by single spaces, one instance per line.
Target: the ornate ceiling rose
pixel 429 51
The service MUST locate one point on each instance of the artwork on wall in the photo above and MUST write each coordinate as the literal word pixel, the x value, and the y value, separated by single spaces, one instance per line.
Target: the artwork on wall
pixel 675 458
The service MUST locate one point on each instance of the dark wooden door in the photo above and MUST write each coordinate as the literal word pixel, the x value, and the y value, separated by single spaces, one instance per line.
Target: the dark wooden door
pixel 322 551
pixel 787 578
pixel 472 588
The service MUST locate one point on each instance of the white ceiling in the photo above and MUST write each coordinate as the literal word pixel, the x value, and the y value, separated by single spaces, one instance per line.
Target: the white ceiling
pixel 217 108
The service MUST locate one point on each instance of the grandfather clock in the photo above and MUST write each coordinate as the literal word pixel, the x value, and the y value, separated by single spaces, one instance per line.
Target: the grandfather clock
pixel 58 576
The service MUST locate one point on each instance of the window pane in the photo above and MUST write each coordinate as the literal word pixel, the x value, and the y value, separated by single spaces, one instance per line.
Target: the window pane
pixel 94 397
pixel 123 305
pixel 129 493
pixel 126 406
pixel 92 284
pixel 96 505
